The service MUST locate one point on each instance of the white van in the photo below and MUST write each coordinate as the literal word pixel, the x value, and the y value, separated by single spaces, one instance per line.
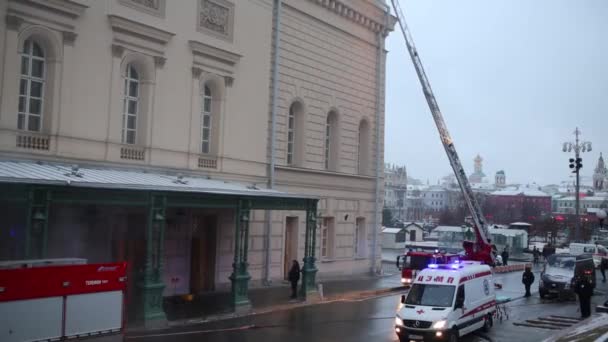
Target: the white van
pixel 597 250
pixel 446 302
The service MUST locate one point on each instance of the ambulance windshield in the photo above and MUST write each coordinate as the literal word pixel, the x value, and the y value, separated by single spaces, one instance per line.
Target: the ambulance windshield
pixel 431 295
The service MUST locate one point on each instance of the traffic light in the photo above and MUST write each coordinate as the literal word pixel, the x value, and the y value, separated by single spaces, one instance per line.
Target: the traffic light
pixel 576 164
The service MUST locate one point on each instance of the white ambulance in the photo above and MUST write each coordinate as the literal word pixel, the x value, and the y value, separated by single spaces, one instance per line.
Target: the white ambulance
pixel 446 302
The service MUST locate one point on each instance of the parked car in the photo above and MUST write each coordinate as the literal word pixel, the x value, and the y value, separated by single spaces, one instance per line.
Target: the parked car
pixel 559 272
pixel 598 251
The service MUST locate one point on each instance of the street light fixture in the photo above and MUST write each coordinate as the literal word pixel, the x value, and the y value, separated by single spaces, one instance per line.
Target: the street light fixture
pixel 576 164
pixel 601 215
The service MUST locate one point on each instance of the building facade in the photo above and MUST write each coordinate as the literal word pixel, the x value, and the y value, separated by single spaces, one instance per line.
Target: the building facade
pixel 110 93
pixel 517 204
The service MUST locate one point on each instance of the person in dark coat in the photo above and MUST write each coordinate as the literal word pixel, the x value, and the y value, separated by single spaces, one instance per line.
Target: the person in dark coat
pixel 505 257
pixel 294 277
pixel 603 267
pixel 584 290
pixel 527 279
pixel 535 255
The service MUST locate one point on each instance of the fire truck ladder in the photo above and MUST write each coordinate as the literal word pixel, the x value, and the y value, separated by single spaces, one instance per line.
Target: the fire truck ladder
pixel 478 219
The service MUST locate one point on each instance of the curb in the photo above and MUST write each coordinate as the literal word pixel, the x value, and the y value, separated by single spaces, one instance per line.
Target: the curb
pixel 349 296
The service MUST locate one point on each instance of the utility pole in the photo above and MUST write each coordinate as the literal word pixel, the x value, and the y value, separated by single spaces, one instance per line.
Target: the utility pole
pixel 576 164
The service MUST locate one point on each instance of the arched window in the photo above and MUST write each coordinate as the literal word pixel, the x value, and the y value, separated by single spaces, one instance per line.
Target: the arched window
pixel 206 121
pixel 363 146
pixel 31 87
pixel 130 105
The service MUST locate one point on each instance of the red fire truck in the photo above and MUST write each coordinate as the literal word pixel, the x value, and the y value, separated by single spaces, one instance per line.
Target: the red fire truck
pixel 413 262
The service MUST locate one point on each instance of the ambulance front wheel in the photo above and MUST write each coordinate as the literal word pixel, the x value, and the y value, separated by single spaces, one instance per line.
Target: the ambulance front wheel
pixel 453 337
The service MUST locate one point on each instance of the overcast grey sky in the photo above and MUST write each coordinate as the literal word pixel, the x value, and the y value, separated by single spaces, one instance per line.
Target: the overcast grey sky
pixel 513 79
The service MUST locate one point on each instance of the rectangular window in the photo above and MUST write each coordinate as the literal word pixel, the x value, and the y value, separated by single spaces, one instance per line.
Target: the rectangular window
pixel 130 106
pixel 290 136
pixel 327 143
pixel 360 237
pixel 206 122
pixel 31 88
pixel 327 240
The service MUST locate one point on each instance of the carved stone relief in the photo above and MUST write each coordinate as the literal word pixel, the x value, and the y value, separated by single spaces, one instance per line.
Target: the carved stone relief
pixel 216 17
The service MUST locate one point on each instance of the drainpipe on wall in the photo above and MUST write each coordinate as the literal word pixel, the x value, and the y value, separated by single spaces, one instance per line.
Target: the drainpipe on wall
pixel 273 118
pixel 379 169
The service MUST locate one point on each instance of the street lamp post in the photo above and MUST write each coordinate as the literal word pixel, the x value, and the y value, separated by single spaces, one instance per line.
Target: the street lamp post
pixel 601 215
pixel 576 164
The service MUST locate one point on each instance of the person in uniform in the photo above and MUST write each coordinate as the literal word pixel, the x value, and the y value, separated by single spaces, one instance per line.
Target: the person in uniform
pixel 294 277
pixel 584 290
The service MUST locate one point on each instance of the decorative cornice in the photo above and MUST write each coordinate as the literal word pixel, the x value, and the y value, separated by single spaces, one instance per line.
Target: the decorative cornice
pixel 196 72
pixel 205 50
pixel 159 61
pixel 121 24
pixel 67 8
pixel 13 22
pixel 117 50
pixel 228 80
pixel 68 37
pixel 357 16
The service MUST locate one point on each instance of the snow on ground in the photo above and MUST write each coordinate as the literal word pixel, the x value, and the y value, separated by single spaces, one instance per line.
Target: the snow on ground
pixel 594 329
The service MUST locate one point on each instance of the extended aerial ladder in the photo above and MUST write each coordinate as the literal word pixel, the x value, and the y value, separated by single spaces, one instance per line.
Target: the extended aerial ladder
pixel 481 250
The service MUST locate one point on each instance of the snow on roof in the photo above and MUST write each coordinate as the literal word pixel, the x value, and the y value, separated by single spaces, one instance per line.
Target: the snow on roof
pixel 585 198
pixel 131 179
pixel 517 192
pixel 388 230
pixel 491 230
pixel 449 229
pixel 506 232
pixel 519 224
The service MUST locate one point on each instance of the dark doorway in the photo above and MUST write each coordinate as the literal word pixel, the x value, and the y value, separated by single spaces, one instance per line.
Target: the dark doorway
pixel 202 272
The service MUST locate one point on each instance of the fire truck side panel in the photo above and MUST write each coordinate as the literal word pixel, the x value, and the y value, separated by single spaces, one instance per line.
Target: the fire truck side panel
pixel 93 312
pixel 31 320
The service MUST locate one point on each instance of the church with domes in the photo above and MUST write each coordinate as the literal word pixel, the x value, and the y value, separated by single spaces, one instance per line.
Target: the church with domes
pixel 600 176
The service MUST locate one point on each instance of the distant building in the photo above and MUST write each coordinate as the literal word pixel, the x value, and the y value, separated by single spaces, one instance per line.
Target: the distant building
pixel 478 175
pixel 517 204
pixel 395 190
pixel 500 180
pixel 600 176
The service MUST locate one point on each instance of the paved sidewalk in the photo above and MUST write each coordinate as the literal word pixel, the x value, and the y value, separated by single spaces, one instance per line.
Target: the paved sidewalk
pixel 216 306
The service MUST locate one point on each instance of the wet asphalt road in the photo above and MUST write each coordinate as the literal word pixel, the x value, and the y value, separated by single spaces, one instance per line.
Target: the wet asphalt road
pixel 365 320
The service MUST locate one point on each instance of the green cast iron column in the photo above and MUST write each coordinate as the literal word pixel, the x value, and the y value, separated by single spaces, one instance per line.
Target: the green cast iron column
pixel 151 284
pixel 240 275
pixel 36 232
pixel 309 270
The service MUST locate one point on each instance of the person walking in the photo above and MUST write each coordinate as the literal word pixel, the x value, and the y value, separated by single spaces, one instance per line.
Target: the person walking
pixel 294 277
pixel 603 267
pixel 505 257
pixel 584 290
pixel 535 255
pixel 527 279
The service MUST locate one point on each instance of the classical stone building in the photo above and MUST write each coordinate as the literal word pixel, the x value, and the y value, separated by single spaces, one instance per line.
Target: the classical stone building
pixel 193 139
